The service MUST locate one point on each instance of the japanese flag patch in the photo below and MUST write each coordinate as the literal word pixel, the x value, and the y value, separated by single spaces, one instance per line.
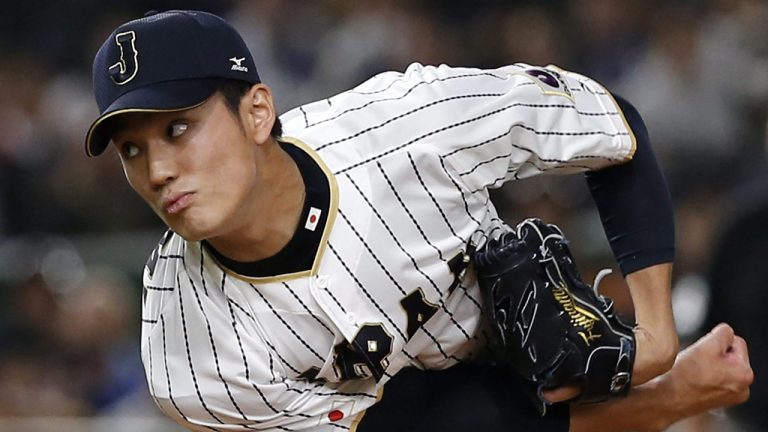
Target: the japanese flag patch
pixel 313 218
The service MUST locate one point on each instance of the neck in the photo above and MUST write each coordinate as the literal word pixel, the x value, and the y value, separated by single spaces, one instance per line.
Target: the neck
pixel 275 211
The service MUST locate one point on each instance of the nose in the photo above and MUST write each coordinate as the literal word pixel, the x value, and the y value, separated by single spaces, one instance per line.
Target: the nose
pixel 163 164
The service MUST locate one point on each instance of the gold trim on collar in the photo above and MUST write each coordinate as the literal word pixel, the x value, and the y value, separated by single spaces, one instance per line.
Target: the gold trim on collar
pixel 333 207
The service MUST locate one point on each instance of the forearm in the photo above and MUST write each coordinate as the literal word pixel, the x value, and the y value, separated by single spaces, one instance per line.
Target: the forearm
pixel 655 334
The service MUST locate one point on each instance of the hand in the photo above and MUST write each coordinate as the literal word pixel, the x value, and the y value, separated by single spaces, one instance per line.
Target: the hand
pixel 712 373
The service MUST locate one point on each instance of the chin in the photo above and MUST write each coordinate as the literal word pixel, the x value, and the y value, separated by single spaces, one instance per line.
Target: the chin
pixel 189 232
pixel 190 237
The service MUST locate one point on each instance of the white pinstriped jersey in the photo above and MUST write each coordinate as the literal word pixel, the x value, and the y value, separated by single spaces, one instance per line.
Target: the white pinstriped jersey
pixel 409 158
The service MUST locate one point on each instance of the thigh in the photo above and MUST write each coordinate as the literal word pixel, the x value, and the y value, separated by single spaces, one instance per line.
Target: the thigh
pixel 463 398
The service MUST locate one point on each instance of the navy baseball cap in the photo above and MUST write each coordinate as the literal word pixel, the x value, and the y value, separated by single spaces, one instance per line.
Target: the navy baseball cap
pixel 167 61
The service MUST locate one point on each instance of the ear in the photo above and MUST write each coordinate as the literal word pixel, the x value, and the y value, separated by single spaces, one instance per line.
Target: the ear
pixel 258 110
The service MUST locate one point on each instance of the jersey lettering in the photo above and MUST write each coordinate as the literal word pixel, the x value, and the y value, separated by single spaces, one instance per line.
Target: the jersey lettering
pixel 458 264
pixel 418 310
pixel 348 362
pixel 367 354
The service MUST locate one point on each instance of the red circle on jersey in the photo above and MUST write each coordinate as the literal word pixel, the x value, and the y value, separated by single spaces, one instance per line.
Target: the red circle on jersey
pixel 312 219
pixel 335 415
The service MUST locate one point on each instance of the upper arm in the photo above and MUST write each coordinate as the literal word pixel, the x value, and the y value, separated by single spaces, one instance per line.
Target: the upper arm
pixel 549 121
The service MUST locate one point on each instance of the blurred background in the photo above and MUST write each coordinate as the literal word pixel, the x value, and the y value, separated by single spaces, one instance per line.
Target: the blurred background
pixel 74 237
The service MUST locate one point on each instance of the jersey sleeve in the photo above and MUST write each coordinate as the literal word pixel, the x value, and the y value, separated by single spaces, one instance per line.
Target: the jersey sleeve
pixel 540 120
pixel 490 125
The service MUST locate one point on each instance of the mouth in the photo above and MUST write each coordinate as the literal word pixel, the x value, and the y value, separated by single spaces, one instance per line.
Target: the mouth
pixel 174 204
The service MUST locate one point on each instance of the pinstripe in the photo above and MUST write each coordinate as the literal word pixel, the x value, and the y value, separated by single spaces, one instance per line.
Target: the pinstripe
pixel 583 87
pixel 242 351
pixel 285 323
pixel 282 359
pixel 575 133
pixel 479 231
pixel 213 346
pixel 366 395
pixel 485 162
pixel 421 137
pixel 392 279
pixel 424 236
pixel 517 175
pixel 272 347
pixel 435 80
pixel 158 288
pixel 272 364
pixel 482 143
pixel 432 197
pixel 189 355
pixel 248 314
pixel 405 114
pixel 527 150
pixel 442 214
pixel 372 253
pixel 168 375
pixel 365 291
pixel 437 344
pixel 202 273
pixel 459 190
pixel 472 299
pixel 410 215
pixel 170 256
pixel 330 294
pixel 402 249
pixel 474 119
pixel 309 311
pixel 392 235
pixel 152 381
pixel 544 169
pixel 304 113
pixel 402 96
pixel 330 394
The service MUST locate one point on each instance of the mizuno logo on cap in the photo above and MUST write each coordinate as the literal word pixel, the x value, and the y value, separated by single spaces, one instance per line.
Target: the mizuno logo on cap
pixel 238 64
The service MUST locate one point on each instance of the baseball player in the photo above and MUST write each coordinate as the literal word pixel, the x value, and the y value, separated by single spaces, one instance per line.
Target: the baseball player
pixel 312 258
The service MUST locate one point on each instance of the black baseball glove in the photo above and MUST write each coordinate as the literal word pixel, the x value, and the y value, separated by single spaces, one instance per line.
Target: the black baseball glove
pixel 551 326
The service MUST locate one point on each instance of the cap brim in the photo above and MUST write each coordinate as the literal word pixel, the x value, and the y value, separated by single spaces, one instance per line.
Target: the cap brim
pixel 159 97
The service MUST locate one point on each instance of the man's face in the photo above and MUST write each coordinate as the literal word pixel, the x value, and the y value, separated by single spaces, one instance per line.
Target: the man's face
pixel 196 168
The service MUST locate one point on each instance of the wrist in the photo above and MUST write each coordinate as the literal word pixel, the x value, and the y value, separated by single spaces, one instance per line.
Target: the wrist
pixel 655 353
pixel 676 399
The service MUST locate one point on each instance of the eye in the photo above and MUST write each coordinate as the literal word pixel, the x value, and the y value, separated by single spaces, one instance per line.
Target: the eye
pixel 175 130
pixel 129 150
